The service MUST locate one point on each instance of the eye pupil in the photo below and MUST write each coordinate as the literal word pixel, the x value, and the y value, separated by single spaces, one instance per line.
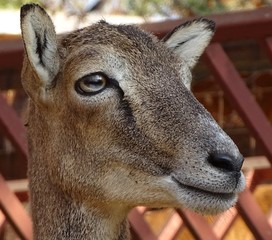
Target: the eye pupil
pixel 91 84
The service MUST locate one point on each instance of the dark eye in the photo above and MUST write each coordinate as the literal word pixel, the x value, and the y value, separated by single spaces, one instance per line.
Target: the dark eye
pixel 91 84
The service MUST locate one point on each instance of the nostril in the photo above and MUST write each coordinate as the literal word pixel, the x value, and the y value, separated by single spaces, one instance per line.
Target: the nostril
pixel 225 162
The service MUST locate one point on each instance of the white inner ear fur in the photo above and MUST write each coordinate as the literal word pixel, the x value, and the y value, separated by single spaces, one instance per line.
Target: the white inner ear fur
pixel 37 26
pixel 190 40
pixel 186 77
pixel 31 45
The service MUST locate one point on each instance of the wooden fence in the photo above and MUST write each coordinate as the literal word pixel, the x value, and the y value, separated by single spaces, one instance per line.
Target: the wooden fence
pixel 255 25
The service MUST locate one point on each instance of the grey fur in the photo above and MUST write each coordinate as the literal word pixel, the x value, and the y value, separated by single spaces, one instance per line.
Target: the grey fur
pixel 143 140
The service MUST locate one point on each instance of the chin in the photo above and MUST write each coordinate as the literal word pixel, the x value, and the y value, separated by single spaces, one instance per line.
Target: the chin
pixel 214 206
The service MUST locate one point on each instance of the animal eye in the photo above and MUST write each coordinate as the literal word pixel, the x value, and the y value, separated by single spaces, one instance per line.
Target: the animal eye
pixel 91 84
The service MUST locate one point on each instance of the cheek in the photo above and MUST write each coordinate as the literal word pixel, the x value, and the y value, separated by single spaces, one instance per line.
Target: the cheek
pixel 133 188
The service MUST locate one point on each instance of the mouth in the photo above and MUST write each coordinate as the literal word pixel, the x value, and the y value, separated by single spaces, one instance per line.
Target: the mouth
pixel 227 196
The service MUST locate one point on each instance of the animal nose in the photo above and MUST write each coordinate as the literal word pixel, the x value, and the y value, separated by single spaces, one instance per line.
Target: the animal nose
pixel 226 162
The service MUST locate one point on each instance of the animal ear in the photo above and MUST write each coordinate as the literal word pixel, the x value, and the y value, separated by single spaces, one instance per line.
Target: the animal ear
pixel 41 50
pixel 189 40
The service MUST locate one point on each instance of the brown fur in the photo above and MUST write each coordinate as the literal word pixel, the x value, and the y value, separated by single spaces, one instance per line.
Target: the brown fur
pixel 143 140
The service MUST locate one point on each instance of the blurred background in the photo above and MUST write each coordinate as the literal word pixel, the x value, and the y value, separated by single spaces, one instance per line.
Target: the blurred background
pixel 79 13
pixel 245 37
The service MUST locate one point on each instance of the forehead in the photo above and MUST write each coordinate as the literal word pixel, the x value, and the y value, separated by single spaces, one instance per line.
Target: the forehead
pixel 123 48
pixel 127 39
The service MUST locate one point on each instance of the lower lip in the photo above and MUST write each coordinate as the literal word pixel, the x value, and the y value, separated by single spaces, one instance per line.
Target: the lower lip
pixel 226 196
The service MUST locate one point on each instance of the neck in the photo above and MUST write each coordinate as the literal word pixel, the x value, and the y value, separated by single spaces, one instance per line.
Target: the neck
pixel 57 216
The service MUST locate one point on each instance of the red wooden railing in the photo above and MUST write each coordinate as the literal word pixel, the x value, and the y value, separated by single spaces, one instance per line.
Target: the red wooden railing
pixel 255 25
